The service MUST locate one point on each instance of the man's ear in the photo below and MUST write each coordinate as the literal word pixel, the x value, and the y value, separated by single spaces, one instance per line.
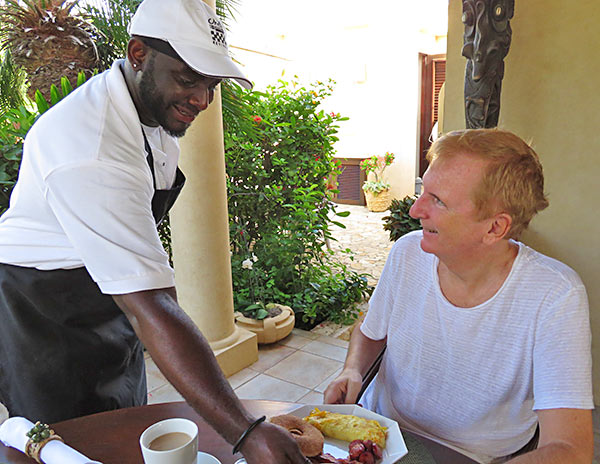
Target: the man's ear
pixel 499 228
pixel 137 52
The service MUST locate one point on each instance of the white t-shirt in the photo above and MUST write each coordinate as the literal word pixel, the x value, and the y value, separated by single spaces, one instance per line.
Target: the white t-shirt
pixel 472 377
pixel 83 197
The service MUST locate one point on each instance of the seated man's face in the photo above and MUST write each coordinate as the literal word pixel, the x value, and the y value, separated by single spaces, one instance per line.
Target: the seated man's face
pixel 173 93
pixel 451 228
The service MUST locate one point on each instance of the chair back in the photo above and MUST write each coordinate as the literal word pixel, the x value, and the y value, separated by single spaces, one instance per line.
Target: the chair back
pixel 371 373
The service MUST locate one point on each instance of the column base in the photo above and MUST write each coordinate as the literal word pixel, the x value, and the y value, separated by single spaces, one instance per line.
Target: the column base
pixel 240 352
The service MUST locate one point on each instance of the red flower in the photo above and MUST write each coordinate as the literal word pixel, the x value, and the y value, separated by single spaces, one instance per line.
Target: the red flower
pixel 257 119
pixel 332 114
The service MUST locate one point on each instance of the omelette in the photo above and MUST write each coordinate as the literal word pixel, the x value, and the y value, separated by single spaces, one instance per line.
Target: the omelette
pixel 347 427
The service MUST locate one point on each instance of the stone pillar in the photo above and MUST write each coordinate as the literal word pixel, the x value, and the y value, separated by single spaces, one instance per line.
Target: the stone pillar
pixel 200 234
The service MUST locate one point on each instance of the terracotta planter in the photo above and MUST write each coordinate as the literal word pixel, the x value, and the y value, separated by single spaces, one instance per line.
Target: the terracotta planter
pixel 379 202
pixel 270 329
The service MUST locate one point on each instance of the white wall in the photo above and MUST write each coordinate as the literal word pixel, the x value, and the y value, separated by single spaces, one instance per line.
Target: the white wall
pixel 372 54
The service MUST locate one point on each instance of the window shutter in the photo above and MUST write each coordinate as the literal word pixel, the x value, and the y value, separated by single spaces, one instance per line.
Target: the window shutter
pixel 439 77
pixel 350 182
pixel 433 75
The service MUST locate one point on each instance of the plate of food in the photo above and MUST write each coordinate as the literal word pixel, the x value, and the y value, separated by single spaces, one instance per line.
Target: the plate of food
pixel 344 434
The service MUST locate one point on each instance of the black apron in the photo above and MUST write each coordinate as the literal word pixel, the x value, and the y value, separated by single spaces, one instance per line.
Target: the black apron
pixel 66 349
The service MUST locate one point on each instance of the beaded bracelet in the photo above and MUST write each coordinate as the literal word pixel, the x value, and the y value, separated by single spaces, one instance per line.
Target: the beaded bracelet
pixel 238 443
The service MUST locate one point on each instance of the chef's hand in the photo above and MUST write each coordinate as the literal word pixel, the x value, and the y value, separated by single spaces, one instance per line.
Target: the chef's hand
pixel 344 389
pixel 271 444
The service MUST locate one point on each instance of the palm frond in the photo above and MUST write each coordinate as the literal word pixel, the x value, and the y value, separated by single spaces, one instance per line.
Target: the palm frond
pixel 112 19
pixel 12 84
pixel 227 10
pixel 236 110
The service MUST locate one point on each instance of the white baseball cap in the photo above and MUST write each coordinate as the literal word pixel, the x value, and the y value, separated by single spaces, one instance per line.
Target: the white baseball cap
pixel 194 31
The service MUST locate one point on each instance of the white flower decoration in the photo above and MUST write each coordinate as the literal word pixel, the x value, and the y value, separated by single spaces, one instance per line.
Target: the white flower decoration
pixel 254 257
pixel 247 264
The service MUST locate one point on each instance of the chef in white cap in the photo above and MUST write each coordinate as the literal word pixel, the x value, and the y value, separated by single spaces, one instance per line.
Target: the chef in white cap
pixel 84 279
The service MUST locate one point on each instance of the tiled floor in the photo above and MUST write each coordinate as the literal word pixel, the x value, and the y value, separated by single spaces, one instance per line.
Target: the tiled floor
pixel 296 369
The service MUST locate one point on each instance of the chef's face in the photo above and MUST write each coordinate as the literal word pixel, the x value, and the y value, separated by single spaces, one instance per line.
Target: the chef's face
pixel 172 93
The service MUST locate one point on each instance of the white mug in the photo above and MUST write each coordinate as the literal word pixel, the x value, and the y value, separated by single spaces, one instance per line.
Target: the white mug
pixel 169 444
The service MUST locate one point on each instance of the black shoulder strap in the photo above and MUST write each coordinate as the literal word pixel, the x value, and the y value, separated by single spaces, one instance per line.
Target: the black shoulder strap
pixel 149 158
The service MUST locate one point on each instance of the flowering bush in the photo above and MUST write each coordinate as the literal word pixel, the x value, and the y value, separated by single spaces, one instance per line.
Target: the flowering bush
pixel 376 165
pixel 279 171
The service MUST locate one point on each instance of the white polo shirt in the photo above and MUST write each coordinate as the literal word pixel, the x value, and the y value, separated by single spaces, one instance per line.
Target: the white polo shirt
pixel 83 197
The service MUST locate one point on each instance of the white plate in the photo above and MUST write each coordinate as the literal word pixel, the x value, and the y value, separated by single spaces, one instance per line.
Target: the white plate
pixel 395 447
pixel 205 458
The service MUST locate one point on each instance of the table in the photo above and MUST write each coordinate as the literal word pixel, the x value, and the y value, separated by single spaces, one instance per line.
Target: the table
pixel 113 437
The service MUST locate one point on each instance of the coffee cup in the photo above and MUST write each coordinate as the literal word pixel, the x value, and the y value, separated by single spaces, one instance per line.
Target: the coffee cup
pixel 170 441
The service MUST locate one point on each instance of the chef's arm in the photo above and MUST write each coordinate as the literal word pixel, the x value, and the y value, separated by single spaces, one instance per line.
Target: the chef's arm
pixel 362 353
pixel 185 358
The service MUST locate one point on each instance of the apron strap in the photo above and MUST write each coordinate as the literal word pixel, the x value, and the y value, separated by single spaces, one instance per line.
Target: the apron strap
pixel 149 157
pixel 162 200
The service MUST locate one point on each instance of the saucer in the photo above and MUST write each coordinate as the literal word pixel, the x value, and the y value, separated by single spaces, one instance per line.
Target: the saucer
pixel 205 458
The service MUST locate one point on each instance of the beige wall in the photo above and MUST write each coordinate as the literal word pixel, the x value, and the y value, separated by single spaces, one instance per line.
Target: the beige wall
pixel 549 99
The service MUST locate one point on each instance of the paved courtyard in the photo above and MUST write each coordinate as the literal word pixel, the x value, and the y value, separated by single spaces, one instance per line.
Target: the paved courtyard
pixel 364 235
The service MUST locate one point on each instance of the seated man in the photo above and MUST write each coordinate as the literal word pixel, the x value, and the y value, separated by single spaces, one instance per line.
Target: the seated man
pixel 486 338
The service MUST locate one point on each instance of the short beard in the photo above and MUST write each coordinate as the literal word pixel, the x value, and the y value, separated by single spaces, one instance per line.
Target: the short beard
pixel 153 100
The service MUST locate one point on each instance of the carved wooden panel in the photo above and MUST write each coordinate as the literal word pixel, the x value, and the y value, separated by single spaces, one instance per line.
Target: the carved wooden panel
pixel 486 42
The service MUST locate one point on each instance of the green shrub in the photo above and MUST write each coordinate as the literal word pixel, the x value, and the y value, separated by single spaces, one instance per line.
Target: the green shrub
pixel 399 222
pixel 332 293
pixel 280 211
pixel 14 125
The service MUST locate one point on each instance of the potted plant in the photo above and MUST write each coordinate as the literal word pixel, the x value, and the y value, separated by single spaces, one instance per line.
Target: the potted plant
pixel 377 191
pixel 399 222
pixel 270 322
